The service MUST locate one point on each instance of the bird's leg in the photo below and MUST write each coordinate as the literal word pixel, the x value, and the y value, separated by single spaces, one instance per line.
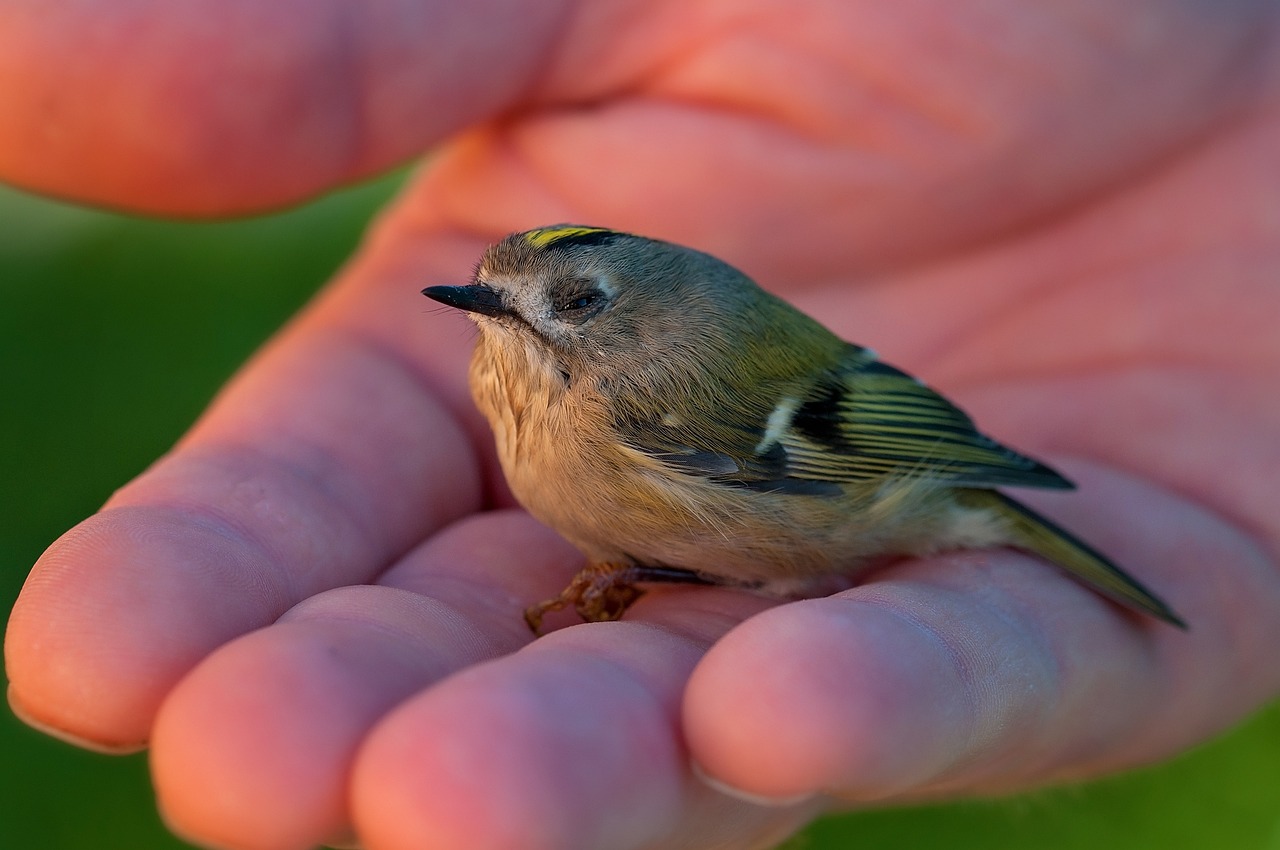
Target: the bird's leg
pixel 598 592
pixel 605 591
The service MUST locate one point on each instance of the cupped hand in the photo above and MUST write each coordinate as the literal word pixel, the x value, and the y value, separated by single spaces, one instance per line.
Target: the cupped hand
pixel 1064 216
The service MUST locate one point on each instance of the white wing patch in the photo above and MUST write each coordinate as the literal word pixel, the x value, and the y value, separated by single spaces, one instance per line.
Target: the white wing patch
pixel 777 424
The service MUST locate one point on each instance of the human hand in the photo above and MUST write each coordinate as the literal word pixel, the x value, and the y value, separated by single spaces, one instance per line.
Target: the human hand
pixel 1065 220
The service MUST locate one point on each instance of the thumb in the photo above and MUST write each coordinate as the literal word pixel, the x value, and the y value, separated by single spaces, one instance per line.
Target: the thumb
pixel 223 106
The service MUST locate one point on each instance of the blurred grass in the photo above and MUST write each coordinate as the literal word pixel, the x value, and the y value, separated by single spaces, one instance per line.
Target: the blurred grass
pixel 114 333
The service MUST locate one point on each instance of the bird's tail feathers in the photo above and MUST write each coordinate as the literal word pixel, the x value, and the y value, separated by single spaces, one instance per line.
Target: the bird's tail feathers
pixel 1042 537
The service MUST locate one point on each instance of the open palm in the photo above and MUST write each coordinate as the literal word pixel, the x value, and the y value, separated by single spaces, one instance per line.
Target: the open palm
pixel 1063 215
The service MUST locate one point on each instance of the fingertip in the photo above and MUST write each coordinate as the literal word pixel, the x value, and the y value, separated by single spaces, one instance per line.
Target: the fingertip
pixel 230 737
pixel 825 695
pixel 569 743
pixel 735 793
pixel 115 612
pixel 35 721
pixel 279 714
pixel 426 778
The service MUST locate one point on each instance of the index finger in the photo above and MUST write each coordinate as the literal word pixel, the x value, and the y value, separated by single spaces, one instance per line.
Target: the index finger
pixel 340 446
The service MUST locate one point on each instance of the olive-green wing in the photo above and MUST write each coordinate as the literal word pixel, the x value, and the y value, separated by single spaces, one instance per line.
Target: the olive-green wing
pixel 859 421
pixel 867 420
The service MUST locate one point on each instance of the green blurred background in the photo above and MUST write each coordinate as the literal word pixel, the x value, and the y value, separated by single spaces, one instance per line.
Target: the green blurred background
pixel 114 333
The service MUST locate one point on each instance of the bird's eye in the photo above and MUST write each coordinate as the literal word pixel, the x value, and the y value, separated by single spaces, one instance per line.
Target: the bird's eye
pixel 578 304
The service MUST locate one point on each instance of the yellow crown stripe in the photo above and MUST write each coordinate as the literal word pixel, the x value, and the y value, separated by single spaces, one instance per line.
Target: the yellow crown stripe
pixel 544 237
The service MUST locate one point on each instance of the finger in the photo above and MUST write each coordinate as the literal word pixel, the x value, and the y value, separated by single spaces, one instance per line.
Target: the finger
pixel 106 109
pixel 989 672
pixel 218 107
pixel 334 451
pixel 572 742
pixel 944 139
pixel 278 714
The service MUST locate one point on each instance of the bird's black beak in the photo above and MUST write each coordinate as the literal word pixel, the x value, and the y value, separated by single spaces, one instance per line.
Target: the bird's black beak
pixel 475 298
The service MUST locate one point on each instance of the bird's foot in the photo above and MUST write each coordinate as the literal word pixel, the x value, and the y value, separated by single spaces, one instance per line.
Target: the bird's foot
pixel 603 592
pixel 599 593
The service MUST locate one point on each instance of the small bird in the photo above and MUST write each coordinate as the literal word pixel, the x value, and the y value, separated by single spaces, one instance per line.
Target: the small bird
pixel 677 423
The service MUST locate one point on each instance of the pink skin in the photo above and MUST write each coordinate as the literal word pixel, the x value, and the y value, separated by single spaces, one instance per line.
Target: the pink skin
pixel 1063 215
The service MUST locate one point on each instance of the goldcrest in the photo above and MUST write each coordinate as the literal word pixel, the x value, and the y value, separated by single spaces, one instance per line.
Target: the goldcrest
pixel 676 422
